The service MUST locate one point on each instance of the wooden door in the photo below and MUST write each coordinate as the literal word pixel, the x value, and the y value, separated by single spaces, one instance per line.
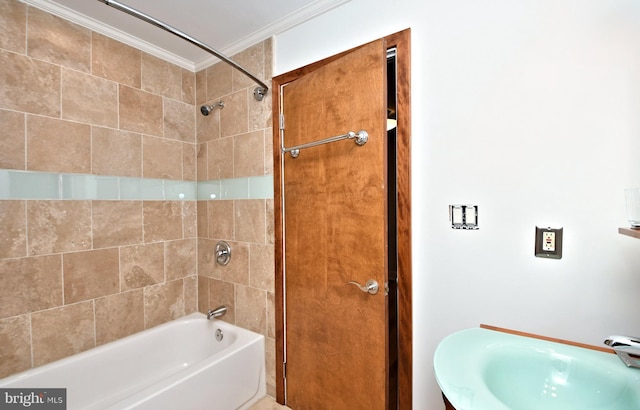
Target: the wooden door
pixel 335 231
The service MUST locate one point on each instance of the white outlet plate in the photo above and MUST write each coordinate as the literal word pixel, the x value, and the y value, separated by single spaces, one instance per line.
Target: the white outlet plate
pixel 548 243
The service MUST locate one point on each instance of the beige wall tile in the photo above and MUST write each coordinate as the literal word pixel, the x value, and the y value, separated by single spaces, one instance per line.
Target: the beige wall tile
pixel 262 266
pixel 203 294
pixel 180 259
pixel 116 153
pixel 58 146
pixel 90 274
pixel 234 117
pixel 115 61
pixel 116 223
pixel 189 219
pixel 162 220
pixel 89 99
pixel 30 284
pixel 221 219
pixel 119 315
pixel 62 332
pixel 141 265
pixel 140 111
pixel 13 26
pixel 218 81
pixel 207 258
pixel 161 158
pixel 252 59
pixel 270 365
pixel 222 293
pixel 163 303
pixel 201 87
pixel 250 220
pixel 251 309
pixel 29 85
pixel 208 127
pixel 220 158
pixel 15 343
pixel 179 121
pixel 201 162
pixel 203 229
pixel 13 229
pixel 188 87
pixel 58 41
pixel 58 226
pixel 268 59
pixel 237 271
pixel 161 77
pixel 12 139
pixel 190 294
pixel 271 315
pixel 248 154
pixel 268 151
pixel 189 162
pixel 270 230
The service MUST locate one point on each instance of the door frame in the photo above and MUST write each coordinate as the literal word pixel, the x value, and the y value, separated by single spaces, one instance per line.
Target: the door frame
pixel 402 42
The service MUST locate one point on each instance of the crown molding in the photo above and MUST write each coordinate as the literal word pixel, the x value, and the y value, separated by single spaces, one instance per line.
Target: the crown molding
pixel 306 13
pixel 298 17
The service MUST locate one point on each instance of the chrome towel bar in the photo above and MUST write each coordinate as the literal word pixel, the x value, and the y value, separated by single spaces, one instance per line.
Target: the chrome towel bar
pixel 360 138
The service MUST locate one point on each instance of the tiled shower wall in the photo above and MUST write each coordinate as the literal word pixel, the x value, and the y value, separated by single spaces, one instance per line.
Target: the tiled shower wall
pixel 236 142
pixel 79 273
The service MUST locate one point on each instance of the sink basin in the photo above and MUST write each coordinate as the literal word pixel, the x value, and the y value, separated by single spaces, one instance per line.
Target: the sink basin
pixel 481 369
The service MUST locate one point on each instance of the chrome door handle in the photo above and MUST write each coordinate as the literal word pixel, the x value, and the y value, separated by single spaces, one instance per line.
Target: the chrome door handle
pixel 370 287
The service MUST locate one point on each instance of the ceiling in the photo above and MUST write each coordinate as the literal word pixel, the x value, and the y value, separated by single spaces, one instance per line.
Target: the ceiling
pixel 226 26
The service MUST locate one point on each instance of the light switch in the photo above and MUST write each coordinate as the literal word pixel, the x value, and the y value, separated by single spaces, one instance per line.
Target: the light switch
pixel 463 216
pixel 456 215
pixel 471 216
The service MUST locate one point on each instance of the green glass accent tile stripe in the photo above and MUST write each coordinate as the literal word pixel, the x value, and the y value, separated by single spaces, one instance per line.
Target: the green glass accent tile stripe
pixel 31 185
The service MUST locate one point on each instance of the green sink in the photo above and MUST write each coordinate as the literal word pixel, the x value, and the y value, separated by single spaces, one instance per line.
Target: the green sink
pixel 481 369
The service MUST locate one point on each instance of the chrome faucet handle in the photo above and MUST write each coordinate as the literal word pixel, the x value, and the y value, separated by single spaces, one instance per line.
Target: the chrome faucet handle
pixel 223 253
pixel 627 348
pixel 622 341
pixel 371 286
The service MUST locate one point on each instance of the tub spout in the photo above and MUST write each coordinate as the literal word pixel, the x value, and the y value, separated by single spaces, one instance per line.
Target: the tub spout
pixel 217 312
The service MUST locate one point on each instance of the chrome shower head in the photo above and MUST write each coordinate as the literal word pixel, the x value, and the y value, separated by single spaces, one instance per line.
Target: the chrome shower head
pixel 206 109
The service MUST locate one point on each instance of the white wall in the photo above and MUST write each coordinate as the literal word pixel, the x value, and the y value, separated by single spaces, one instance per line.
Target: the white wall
pixel 531 110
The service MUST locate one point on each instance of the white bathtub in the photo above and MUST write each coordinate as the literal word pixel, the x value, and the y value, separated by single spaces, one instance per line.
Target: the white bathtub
pixel 177 365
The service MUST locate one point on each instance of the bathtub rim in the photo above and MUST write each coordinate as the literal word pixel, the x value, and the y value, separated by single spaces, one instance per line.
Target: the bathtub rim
pixel 19 376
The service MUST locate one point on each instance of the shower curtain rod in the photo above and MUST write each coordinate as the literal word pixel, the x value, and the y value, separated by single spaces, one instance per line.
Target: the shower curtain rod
pixel 258 92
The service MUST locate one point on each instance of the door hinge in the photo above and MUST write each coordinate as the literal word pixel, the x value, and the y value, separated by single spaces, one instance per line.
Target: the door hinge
pixel 281 121
pixel 284 370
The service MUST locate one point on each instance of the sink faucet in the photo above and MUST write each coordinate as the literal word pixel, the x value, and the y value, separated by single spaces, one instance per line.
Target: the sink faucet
pixel 627 348
pixel 217 312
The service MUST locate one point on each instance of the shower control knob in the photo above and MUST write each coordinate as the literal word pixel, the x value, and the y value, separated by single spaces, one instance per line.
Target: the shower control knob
pixel 223 253
pixel 371 286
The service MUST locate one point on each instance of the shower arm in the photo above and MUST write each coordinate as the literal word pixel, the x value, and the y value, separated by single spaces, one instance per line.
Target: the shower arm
pixel 259 92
